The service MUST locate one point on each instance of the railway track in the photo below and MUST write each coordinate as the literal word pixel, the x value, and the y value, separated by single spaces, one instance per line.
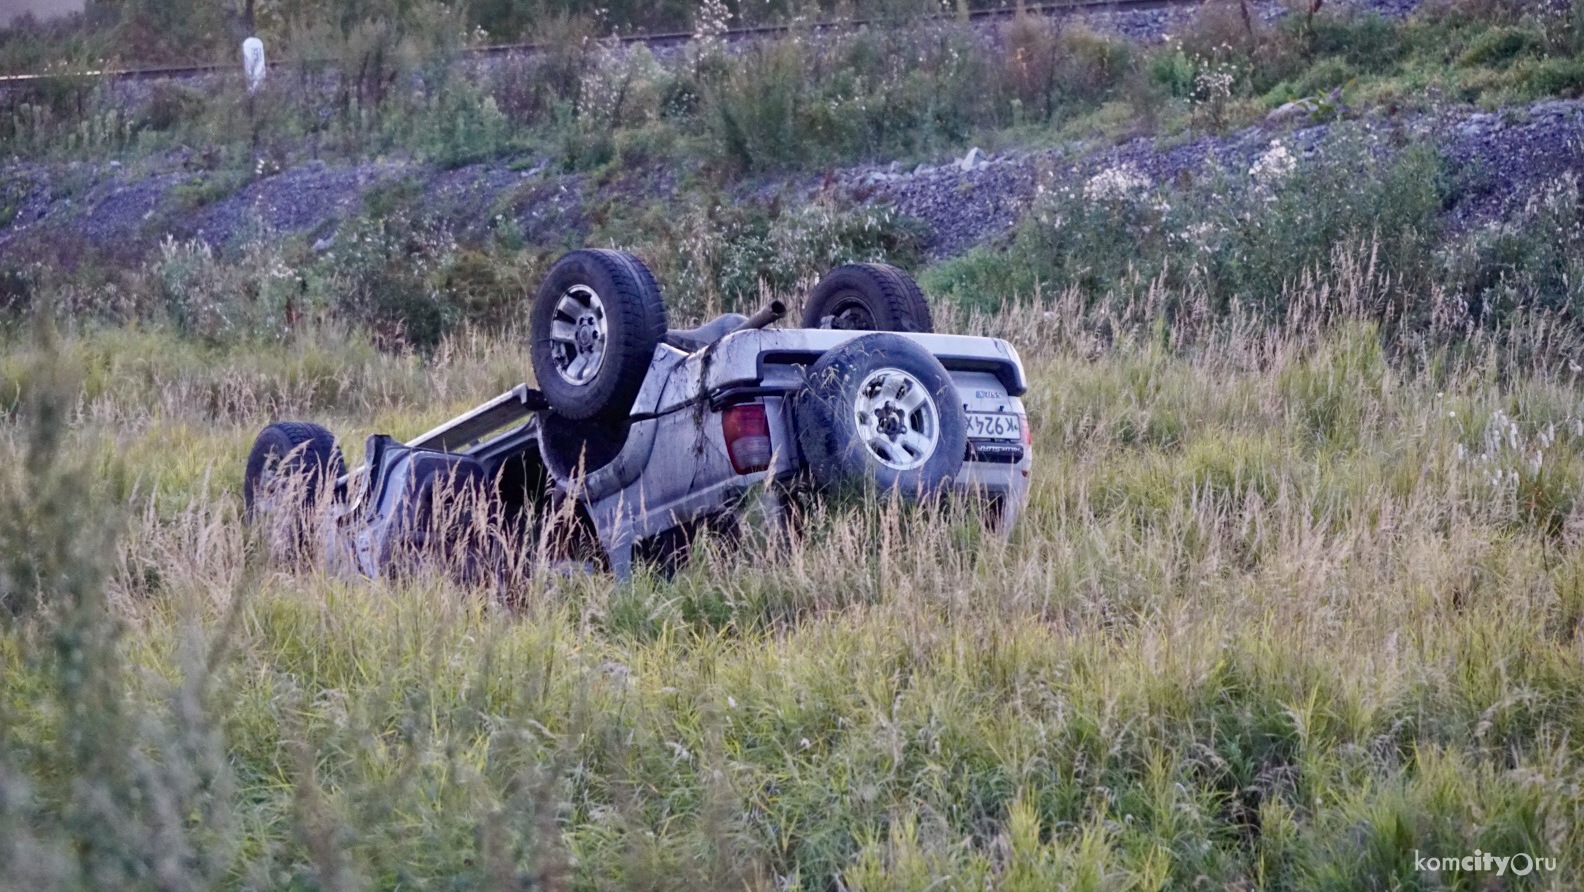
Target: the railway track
pixel 661 39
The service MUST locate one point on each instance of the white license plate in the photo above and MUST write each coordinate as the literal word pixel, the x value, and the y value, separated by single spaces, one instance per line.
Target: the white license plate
pixel 994 426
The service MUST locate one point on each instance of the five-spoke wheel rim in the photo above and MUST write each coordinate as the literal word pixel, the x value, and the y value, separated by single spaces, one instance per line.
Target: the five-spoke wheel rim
pixel 898 421
pixel 578 335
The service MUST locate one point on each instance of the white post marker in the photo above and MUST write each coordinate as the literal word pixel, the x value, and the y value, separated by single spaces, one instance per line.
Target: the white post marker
pixel 253 62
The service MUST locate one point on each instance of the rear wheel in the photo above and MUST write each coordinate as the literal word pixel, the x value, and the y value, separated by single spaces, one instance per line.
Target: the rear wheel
pixel 595 325
pixel 882 410
pixel 868 297
pixel 572 448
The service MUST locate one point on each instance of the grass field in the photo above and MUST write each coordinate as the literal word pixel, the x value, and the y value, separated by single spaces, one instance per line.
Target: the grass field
pixel 1285 611
pixel 1298 601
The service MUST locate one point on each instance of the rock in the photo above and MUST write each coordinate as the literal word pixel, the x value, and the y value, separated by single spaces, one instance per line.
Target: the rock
pixel 615 671
pixel 324 244
pixel 1288 112
pixel 969 160
pixel 1555 108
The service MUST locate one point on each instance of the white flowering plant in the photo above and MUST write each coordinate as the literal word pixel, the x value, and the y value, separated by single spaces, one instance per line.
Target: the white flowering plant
pixel 1520 469
pixel 1272 168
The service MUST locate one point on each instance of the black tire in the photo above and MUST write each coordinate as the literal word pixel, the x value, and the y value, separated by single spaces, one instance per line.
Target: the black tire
pixel 616 333
pixel 571 447
pixel 294 448
pixel 916 442
pixel 868 297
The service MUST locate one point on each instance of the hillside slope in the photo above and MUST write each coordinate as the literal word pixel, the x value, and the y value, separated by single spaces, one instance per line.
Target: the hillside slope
pixel 1495 160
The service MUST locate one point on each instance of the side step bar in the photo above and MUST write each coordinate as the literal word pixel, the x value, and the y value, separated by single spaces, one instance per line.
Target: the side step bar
pixel 468 428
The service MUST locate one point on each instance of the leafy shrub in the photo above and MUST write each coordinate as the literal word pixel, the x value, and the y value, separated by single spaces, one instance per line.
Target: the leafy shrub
pixel 1531 262
pixel 172 103
pixel 1174 70
pixel 464 126
pixel 1324 75
pixel 216 300
pixel 1354 190
pixel 729 253
pixel 1499 47
pixel 1242 236
pixel 387 274
pixel 1047 65
pixel 529 89
pixel 1362 40
pixel 207 188
pixel 1555 77
pixel 756 111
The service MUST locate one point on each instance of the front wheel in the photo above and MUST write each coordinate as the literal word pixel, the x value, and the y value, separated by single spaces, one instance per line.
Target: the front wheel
pixel 882 410
pixel 289 465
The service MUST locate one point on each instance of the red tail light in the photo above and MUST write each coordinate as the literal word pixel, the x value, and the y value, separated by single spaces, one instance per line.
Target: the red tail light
pixel 1028 432
pixel 747 431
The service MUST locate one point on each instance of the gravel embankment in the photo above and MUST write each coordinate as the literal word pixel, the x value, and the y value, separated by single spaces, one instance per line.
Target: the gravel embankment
pixel 1497 159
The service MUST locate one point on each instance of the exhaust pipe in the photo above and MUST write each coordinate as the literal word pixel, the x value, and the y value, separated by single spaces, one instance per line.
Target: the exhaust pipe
pixel 771 312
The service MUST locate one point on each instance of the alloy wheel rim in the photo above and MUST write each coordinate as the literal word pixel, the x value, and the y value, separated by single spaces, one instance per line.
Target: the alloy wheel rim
pixel 579 334
pixel 898 421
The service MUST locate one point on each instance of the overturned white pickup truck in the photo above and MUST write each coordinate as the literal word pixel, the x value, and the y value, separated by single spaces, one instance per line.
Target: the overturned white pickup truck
pixel 638 436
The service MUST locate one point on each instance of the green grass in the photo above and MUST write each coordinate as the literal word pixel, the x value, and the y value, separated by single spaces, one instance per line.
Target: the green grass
pixel 1280 613
pixel 919 90
pixel 1297 596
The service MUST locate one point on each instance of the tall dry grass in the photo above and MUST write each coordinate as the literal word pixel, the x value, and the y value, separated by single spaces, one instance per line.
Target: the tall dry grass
pixel 1285 609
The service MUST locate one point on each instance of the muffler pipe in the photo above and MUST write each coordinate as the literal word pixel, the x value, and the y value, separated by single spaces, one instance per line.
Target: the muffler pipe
pixel 771 312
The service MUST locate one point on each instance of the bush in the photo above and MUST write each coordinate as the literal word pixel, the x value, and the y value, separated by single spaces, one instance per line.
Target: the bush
pixel 529 89
pixel 1500 47
pixel 218 301
pixel 1555 77
pixel 172 103
pixel 728 254
pixel 1354 191
pixel 1241 236
pixel 755 121
pixel 1048 65
pixel 1533 262
pixel 463 125
pixel 388 274
pixel 1174 70
pixel 1323 76
pixel 1362 40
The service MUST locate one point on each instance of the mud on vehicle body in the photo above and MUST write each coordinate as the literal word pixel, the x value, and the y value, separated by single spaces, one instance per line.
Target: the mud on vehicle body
pixel 637 434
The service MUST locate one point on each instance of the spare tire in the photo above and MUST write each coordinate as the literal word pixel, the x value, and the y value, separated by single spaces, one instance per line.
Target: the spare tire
pixel 868 297
pixel 595 324
pixel 298 450
pixel 881 409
